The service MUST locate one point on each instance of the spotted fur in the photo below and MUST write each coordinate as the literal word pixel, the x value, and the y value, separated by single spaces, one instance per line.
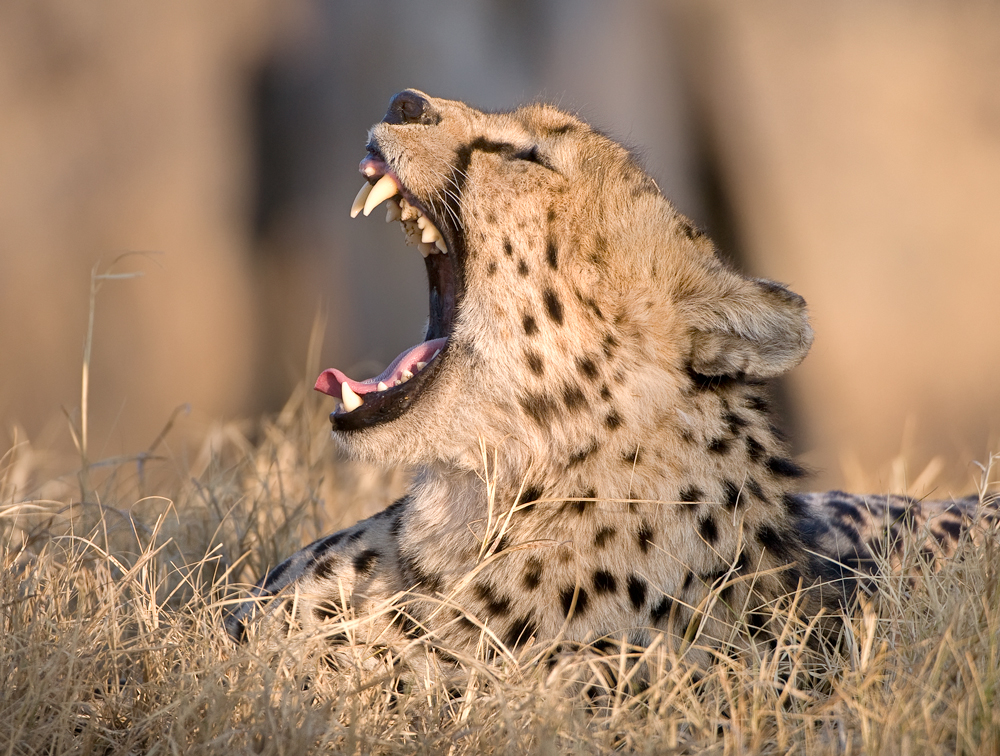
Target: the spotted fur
pixel 595 455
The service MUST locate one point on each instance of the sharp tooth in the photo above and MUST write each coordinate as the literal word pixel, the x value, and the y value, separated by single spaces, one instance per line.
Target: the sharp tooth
pixel 392 212
pixel 406 375
pixel 442 246
pixel 426 249
pixel 381 386
pixel 351 400
pixel 359 201
pixel 430 234
pixel 421 365
pixel 384 188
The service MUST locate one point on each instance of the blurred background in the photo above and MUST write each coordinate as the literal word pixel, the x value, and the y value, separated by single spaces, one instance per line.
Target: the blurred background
pixel 848 149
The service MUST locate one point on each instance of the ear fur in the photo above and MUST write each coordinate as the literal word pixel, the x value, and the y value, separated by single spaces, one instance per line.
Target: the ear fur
pixel 750 327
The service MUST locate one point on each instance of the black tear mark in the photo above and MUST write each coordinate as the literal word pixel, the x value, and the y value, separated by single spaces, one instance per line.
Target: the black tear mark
pixel 539 407
pixel 532 577
pixel 535 362
pixel 529 324
pixel 785 468
pixel 553 306
pixel 604 582
pixel 566 596
pixel 636 591
pixel 573 397
pixel 552 254
pixel 603 536
pixel 708 529
pixel 365 561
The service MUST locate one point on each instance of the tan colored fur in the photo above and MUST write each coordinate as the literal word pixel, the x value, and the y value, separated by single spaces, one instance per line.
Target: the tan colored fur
pixel 595 458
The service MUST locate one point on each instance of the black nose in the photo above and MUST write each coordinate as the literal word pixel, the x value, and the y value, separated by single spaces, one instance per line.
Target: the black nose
pixel 411 107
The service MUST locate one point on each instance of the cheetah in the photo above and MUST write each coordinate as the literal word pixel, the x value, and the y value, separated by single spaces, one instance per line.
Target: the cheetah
pixel 587 415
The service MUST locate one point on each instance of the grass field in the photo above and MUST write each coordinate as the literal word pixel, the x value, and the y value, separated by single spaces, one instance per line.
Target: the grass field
pixel 115 580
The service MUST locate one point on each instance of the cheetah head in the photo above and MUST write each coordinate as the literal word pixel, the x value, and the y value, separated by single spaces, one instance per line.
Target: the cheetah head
pixel 568 298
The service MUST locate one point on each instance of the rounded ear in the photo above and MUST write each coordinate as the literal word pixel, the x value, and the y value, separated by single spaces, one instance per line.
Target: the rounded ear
pixel 749 327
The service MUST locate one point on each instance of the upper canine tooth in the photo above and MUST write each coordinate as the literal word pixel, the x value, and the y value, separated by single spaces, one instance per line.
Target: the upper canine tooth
pixel 384 188
pixel 430 234
pixel 351 400
pixel 359 201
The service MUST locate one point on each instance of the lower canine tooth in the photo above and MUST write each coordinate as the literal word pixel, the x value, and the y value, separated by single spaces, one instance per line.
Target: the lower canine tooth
pixel 381 386
pixel 359 201
pixel 351 400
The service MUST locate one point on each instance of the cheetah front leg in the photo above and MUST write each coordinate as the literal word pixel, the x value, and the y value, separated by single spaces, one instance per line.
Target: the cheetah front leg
pixel 346 587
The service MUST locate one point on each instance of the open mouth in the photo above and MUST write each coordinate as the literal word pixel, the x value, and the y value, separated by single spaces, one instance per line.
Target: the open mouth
pixel 389 394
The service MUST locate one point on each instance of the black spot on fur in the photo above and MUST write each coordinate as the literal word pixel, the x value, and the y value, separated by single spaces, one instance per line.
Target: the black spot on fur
pixel 730 494
pixel 613 420
pixel 528 498
pixel 605 393
pixel 496 605
pixel 845 508
pixel 520 631
pixel 692 496
pixel 755 449
pixel 688 579
pixel 702 382
pixel 660 610
pixel 636 591
pixel 785 468
pixel 603 536
pixel 535 362
pixel 604 582
pixel 734 422
pixel 491 268
pixel 586 366
pixel 779 543
pixel 529 324
pixel 632 457
pixel 718 445
pixel 755 489
pixel 951 527
pixel 552 254
pixel 566 597
pixel 414 575
pixel 323 570
pixel 539 407
pixel 708 529
pixel 275 575
pixel 580 456
pixel 325 610
pixel 328 542
pixel 365 561
pixel 532 573
pixel 573 397
pixel 757 404
pixel 644 537
pixel 507 248
pixel 522 267
pixel 794 505
pixel 553 306
pixel 690 231
pixel 357 535
pixel 610 342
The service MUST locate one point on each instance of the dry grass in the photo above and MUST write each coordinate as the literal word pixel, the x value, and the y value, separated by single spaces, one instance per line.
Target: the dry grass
pixel 115 580
pixel 112 642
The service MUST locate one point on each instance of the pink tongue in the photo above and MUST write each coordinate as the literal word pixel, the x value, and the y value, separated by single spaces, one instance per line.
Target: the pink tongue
pixel 329 380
